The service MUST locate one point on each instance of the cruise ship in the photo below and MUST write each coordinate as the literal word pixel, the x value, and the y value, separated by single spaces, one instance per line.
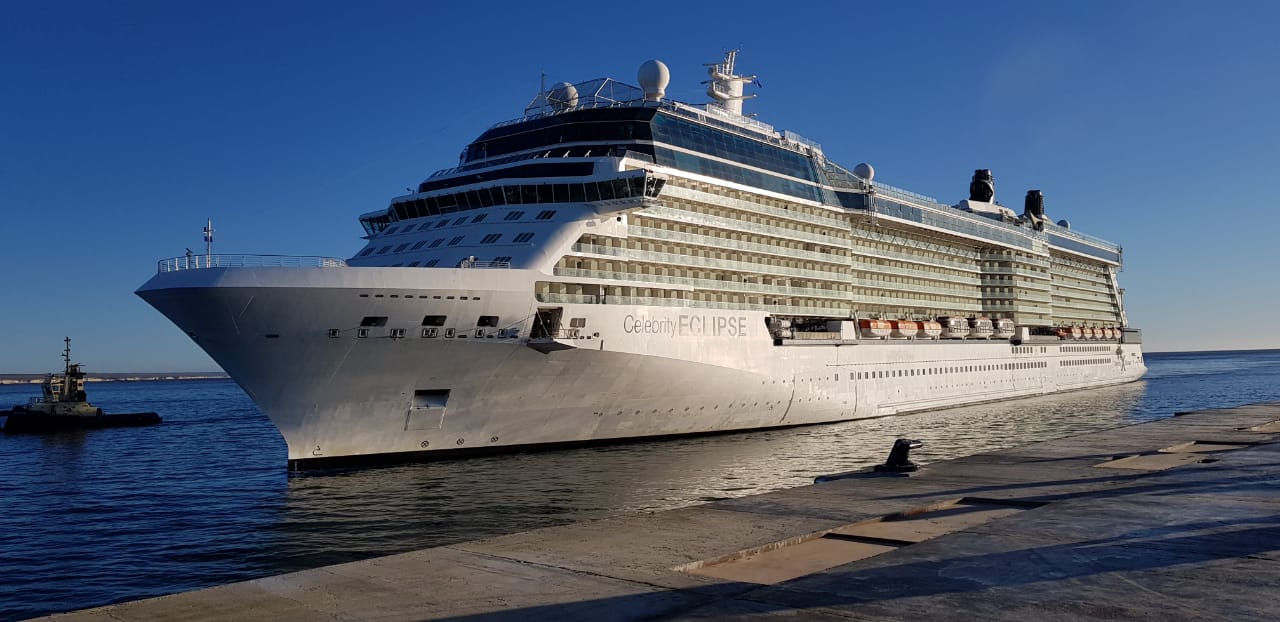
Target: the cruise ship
pixel 614 265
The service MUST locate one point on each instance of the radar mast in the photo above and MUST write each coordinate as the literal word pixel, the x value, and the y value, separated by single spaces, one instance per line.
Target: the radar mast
pixel 726 87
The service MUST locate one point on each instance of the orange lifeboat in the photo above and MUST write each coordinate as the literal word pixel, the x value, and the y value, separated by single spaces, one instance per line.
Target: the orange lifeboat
pixel 875 329
pixel 930 329
pixel 1063 332
pixel 1077 332
pixel 1108 333
pixel 904 329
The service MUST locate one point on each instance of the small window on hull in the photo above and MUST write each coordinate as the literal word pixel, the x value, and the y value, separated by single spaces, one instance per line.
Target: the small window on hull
pixel 430 398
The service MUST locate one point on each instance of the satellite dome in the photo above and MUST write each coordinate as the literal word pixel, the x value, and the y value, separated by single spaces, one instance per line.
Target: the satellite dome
pixel 654 78
pixel 864 171
pixel 563 96
pixel 1065 224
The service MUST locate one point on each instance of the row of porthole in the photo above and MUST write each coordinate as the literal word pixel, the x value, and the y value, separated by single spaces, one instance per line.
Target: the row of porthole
pixel 936 371
pixel 431 333
pixel 687 408
pixel 422 297
pixel 1085 362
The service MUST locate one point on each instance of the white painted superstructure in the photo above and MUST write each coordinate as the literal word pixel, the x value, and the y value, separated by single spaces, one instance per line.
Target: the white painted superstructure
pixel 606 268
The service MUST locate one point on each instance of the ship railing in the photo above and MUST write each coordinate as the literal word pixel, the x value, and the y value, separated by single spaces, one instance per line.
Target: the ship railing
pixel 482 265
pixel 1081 237
pixel 200 262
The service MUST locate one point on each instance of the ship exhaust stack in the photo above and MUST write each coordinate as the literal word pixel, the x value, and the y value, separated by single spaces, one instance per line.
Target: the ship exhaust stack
pixel 983 186
pixel 1033 209
pixel 1034 205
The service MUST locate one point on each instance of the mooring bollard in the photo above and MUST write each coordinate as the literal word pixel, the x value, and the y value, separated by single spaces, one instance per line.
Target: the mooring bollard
pixel 899 457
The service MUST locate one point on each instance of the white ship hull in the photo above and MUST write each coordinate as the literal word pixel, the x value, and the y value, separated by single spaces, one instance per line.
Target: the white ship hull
pixel 629 372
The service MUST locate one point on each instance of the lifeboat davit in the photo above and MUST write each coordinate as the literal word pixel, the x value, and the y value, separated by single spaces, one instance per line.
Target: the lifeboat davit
pixel 875 329
pixel 1003 329
pixel 954 327
pixel 981 328
pixel 904 329
pixel 930 329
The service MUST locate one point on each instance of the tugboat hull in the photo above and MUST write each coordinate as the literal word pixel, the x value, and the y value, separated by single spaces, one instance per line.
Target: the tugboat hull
pixel 22 421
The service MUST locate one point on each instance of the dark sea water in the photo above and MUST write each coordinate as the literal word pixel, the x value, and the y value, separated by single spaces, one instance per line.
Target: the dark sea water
pixel 105 516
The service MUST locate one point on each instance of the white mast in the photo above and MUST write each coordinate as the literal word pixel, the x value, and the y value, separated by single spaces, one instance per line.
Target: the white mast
pixel 724 86
pixel 208 243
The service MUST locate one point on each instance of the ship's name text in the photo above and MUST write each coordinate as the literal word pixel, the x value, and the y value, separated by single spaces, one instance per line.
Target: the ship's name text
pixel 686 326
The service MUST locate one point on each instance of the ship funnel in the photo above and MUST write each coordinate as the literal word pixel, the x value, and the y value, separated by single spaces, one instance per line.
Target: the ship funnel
pixel 1034 205
pixel 654 78
pixel 983 186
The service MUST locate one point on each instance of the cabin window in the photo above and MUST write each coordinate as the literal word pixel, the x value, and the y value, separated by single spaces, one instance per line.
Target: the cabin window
pixel 436 243
pixel 523 237
pixel 517 215
pixel 546 214
pixel 491 238
pixel 418 245
pixel 374 320
pixel 454 241
pixel 434 320
pixel 487 320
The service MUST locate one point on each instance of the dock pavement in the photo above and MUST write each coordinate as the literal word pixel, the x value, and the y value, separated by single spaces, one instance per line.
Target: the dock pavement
pixel 1175 519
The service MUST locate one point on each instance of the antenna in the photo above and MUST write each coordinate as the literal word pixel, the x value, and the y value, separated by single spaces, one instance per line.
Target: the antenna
pixel 725 86
pixel 66 352
pixel 208 241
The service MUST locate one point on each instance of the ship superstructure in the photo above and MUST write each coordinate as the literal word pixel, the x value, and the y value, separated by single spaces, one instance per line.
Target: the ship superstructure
pixel 615 264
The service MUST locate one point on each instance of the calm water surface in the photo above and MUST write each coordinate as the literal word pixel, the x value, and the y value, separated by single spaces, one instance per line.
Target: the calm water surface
pixel 110 515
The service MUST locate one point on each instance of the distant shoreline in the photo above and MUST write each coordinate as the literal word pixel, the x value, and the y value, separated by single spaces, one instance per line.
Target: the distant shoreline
pixel 118 377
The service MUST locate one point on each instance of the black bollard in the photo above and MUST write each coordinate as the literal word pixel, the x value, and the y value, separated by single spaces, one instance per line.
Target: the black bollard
pixel 899 457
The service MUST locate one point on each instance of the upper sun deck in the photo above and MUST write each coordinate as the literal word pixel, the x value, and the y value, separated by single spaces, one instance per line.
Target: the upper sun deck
pixel 606 117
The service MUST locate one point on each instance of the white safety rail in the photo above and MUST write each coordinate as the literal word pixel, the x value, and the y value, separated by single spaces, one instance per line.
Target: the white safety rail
pixel 198 262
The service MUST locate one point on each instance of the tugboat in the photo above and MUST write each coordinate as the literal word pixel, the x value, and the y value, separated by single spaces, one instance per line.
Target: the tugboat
pixel 64 406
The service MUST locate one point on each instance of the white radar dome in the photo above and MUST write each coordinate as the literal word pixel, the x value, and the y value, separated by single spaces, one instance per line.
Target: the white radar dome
pixel 1065 224
pixel 563 96
pixel 654 78
pixel 865 171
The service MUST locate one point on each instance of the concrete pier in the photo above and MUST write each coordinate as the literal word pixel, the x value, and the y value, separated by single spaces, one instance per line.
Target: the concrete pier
pixel 1173 519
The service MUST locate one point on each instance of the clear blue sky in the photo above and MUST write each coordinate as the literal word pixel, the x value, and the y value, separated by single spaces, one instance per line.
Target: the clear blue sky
pixel 123 125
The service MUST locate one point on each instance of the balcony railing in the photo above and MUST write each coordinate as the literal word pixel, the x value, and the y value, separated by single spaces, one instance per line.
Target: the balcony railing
pixel 199 262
